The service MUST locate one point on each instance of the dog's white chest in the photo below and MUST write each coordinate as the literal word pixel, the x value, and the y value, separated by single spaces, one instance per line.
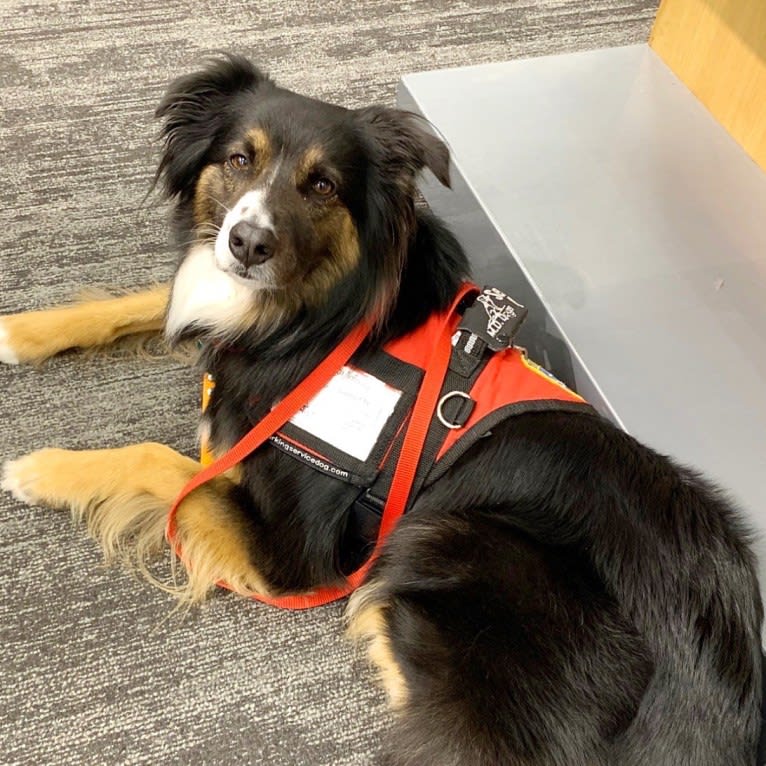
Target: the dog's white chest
pixel 203 296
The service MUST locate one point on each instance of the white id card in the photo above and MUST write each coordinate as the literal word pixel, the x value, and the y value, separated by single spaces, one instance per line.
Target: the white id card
pixel 349 412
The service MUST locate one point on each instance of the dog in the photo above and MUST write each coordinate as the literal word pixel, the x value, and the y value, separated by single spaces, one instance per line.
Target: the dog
pixel 560 594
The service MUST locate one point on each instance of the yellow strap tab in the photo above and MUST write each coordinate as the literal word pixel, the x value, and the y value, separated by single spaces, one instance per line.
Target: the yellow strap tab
pixel 206 457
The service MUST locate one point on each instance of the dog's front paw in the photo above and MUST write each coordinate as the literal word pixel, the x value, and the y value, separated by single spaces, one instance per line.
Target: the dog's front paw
pixel 12 479
pixel 25 338
pixel 7 353
pixel 35 479
pixel 35 336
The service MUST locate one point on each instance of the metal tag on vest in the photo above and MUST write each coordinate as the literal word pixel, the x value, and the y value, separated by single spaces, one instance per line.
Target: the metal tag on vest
pixel 494 317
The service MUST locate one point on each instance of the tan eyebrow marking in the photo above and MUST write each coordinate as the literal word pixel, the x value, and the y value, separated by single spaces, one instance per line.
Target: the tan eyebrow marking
pixel 263 149
pixel 208 188
pixel 312 157
pixel 259 140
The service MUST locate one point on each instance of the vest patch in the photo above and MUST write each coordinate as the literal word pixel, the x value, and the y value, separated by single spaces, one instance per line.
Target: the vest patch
pixel 350 412
pixel 546 374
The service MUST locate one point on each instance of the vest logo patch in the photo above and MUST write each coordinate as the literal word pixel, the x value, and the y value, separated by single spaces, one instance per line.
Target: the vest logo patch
pixel 542 372
pixel 499 307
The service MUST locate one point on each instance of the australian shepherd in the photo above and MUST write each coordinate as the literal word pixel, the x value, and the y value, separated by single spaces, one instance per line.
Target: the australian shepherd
pixel 560 596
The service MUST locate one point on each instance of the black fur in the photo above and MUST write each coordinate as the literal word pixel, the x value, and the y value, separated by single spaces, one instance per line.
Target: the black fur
pixel 563 595
pixel 197 111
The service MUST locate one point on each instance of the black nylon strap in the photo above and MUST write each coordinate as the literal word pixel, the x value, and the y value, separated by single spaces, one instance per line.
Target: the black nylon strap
pixel 467 353
pixel 374 498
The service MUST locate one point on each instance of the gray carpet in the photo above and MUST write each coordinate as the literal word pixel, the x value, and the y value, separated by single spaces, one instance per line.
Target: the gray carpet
pixel 94 670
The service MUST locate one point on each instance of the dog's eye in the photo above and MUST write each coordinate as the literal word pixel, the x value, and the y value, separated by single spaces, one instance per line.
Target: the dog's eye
pixel 323 186
pixel 238 161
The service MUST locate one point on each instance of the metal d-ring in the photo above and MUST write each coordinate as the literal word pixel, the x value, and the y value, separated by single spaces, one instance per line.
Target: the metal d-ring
pixel 441 403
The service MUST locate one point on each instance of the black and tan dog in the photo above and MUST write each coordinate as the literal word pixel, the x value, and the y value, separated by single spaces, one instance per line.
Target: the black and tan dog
pixel 561 595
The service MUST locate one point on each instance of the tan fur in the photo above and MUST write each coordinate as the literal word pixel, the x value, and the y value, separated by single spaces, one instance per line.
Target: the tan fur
pixel 270 311
pixel 367 624
pixel 149 346
pixel 209 189
pixel 37 335
pixel 261 144
pixel 343 240
pixel 234 474
pixel 215 543
pixel 123 495
pixel 312 158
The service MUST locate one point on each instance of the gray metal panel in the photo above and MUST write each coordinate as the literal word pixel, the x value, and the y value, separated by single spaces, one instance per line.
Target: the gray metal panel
pixel 596 187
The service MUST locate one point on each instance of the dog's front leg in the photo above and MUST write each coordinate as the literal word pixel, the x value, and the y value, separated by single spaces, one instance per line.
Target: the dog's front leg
pixel 37 335
pixel 124 495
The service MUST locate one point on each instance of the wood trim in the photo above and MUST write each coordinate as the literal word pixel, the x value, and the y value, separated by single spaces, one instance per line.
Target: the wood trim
pixel 718 49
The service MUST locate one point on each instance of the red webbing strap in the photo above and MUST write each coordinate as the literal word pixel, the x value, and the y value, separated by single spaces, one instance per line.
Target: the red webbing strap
pixel 404 475
pixel 284 410
pixel 422 415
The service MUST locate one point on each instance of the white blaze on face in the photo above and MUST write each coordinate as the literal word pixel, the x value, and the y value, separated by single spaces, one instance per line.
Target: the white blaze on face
pixel 204 296
pixel 250 207
pixel 207 291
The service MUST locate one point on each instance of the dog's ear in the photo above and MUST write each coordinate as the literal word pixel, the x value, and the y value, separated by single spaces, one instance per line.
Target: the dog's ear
pixel 406 145
pixel 195 110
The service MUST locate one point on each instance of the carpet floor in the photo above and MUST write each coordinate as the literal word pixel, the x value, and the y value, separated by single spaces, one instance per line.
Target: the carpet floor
pixel 95 667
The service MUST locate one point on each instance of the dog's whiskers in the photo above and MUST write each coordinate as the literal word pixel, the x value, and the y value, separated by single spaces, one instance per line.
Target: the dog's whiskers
pixel 218 202
pixel 205 232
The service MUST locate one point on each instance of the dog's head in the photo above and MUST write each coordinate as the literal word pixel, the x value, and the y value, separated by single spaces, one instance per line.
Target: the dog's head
pixel 294 198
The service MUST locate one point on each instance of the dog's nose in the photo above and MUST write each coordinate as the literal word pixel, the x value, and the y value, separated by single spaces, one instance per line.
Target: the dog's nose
pixel 251 244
